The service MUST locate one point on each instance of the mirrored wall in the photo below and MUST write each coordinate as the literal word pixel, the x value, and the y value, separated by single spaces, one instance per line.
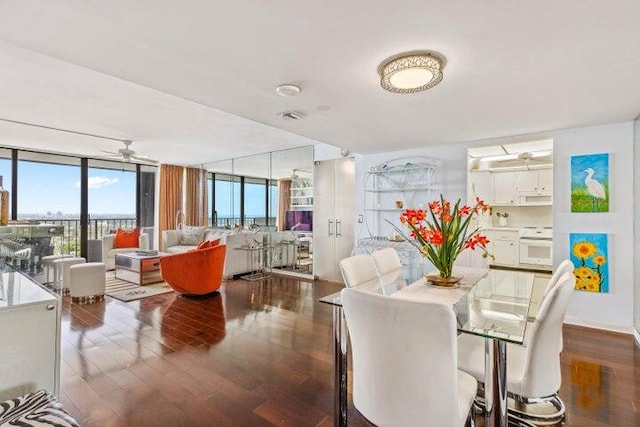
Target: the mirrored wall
pixel 271 196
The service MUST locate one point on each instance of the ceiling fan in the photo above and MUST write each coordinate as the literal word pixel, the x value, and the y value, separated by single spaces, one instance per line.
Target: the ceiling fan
pixel 127 155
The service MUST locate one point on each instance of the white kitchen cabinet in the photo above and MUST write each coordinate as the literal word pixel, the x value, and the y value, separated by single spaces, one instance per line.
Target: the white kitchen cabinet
pixel 545 180
pixel 504 188
pixel 480 185
pixel 333 217
pixel 504 246
pixel 536 181
pixel 534 187
pixel 30 337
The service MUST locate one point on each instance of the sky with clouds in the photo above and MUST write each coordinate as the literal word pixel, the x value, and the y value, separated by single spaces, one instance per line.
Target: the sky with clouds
pixel 45 187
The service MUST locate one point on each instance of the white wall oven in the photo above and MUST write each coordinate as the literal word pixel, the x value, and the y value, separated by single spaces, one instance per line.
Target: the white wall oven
pixel 536 245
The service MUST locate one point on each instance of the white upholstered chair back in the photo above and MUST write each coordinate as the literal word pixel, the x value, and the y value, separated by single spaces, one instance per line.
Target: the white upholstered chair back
pixel 565 266
pixel 541 374
pixel 359 270
pixel 390 269
pixel 404 361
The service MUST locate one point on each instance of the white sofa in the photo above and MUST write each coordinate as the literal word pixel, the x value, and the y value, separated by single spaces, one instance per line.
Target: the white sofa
pixel 236 261
pixel 109 252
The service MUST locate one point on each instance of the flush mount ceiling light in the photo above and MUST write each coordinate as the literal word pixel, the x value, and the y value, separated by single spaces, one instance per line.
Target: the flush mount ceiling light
pixel 411 72
pixel 288 90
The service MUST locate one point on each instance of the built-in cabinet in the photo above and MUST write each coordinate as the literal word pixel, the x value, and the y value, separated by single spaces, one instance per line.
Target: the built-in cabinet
pixel 504 245
pixel 30 343
pixel 333 217
pixel 504 188
pixel 527 187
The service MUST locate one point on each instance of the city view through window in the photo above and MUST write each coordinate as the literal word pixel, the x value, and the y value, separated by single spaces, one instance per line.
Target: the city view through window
pixel 51 193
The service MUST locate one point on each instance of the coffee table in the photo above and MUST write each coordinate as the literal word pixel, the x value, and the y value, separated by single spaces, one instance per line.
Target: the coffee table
pixel 139 267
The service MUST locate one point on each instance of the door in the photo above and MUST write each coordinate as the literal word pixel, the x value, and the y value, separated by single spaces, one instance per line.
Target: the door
pixel 323 219
pixel 527 181
pixel 545 181
pixel 504 186
pixel 505 252
pixel 344 211
pixel 333 222
pixel 28 349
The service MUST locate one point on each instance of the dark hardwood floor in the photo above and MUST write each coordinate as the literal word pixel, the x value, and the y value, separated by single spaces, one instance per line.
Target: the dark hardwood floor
pixel 259 354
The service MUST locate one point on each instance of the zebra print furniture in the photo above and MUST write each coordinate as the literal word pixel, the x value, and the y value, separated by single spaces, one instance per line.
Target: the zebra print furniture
pixel 35 409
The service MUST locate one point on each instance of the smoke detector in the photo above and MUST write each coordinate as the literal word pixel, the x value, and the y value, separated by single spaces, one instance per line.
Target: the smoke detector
pixel 291 115
pixel 288 90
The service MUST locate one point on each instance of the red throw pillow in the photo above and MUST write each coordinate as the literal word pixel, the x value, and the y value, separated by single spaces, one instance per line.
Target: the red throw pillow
pixel 204 245
pixel 127 239
pixel 208 244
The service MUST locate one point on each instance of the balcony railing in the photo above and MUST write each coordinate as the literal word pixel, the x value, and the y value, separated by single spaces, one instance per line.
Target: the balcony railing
pixel 69 241
pixel 230 222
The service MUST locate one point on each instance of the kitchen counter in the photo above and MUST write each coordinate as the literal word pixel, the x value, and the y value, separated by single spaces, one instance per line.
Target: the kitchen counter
pixel 502 228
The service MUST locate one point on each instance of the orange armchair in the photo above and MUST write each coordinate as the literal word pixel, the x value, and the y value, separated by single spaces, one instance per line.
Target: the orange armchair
pixel 195 272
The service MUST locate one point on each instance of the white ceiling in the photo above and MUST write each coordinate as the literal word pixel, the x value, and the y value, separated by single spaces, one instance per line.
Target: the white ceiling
pixel 192 81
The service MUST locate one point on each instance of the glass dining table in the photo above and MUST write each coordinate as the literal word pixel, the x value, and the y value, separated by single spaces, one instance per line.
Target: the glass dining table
pixel 493 304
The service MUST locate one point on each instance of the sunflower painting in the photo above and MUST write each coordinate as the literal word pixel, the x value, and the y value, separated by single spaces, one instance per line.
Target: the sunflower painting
pixel 588 252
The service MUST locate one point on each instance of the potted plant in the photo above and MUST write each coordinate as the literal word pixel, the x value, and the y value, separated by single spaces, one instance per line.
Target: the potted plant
pixel 442 232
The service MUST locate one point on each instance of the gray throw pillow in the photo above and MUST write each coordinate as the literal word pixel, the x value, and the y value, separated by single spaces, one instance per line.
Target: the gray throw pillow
pixel 191 235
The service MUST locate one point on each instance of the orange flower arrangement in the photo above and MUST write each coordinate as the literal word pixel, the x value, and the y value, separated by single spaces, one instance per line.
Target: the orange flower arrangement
pixel 442 232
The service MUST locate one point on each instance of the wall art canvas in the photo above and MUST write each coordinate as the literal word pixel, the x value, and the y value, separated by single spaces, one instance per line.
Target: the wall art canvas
pixel 590 183
pixel 590 258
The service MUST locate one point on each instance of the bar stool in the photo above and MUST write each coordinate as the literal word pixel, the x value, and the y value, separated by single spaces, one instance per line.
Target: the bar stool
pixel 87 282
pixel 47 265
pixel 61 272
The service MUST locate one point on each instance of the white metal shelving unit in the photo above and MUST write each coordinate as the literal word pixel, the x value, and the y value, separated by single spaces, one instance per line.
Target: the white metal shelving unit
pixel 389 188
pixel 301 194
pixel 395 185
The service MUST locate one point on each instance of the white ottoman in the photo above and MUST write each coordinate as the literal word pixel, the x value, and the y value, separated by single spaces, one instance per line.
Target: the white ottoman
pixel 47 266
pixel 61 272
pixel 88 282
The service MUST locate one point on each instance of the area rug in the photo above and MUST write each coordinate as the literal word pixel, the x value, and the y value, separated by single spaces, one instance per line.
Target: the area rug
pixel 127 291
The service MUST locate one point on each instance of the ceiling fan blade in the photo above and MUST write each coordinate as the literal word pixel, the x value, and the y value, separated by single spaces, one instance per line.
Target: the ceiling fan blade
pixel 145 159
pixel 110 152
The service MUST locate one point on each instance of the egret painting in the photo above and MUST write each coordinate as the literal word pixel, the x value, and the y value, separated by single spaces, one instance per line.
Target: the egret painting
pixel 590 258
pixel 590 183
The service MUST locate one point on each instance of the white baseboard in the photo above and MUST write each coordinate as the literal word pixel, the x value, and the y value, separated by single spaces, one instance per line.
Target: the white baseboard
pixel 293 274
pixel 598 325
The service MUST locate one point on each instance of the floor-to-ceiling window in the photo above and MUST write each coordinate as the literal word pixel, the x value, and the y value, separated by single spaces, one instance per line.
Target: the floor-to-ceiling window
pixel 255 199
pixel 111 197
pixel 227 200
pixel 273 202
pixel 5 171
pixel 49 191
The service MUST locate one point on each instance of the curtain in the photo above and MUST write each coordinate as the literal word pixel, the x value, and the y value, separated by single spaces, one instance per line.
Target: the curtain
pixel 284 201
pixel 204 211
pixel 196 200
pixel 170 197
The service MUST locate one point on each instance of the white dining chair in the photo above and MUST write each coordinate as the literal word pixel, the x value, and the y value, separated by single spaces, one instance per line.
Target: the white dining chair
pixel 404 362
pixel 565 266
pixel 360 270
pixel 533 371
pixel 390 270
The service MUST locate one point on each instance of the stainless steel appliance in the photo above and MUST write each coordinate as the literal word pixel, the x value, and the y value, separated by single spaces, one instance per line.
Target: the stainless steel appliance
pixel 536 245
